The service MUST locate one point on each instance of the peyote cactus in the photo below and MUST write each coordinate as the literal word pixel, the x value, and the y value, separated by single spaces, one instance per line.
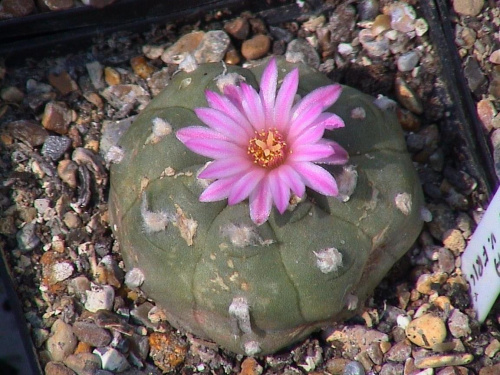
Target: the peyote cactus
pixel 256 284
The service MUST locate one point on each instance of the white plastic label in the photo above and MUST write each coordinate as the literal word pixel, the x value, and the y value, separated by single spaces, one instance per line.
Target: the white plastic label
pixel 481 260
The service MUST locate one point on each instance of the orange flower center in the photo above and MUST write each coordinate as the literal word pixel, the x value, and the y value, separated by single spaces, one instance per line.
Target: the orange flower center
pixel 267 148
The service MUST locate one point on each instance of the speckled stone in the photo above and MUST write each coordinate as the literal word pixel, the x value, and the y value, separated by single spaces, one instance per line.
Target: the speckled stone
pixel 399 352
pixel 444 360
pixel 426 331
pixel 90 333
pixel 458 324
pixel 57 368
pixel 62 342
pixel 468 7
pixel 83 363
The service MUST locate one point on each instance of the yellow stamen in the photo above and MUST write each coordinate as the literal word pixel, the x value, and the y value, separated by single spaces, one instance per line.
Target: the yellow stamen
pixel 267 148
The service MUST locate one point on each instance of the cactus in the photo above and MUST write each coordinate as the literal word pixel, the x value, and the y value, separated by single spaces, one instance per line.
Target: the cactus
pixel 251 288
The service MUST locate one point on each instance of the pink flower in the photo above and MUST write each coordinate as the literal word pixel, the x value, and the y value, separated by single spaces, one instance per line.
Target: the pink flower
pixel 264 146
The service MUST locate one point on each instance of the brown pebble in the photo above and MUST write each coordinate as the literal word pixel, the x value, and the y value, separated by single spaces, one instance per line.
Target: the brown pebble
pixel 27 131
pixel 495 57
pixel 486 112
pixel 256 47
pixel 111 76
pixel 444 360
pixel 16 8
pixel 67 170
pixel 381 23
pixel 94 98
pixel 57 368
pixel 238 28
pixel 336 366
pixel 454 370
pixel 57 117
pixel 186 44
pixel 426 331
pixel 490 370
pixel 443 303
pixel 399 352
pixel 453 240
pixel 427 283
pixel 83 363
pixel 72 220
pixel 91 334
pixel 232 57
pixel 408 120
pixel 141 67
pixel 63 83
pixel 12 94
pixel 458 324
pixel 59 4
pixel 493 348
pixel 468 7
pixel 407 97
pixel 250 367
pixel 83 347
pixel 167 350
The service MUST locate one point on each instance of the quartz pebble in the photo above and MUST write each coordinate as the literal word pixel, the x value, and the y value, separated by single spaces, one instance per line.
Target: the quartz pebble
pixel 402 17
pixel 256 47
pixel 443 360
pixel 96 71
pixel 458 324
pixel 62 342
pixel 468 7
pixel 27 238
pixel 212 47
pixel 426 331
pixel 134 278
pixel 100 297
pixel 299 50
pixel 408 61
pixel 112 359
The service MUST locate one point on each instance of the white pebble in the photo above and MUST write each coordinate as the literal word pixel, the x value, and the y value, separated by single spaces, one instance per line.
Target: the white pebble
pixel 328 260
pixel 61 271
pixel 134 278
pixel 345 49
pixel 99 297
pixel 112 359
pixel 408 61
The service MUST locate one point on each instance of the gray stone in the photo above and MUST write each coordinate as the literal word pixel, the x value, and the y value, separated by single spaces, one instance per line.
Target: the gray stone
pixel 62 342
pixel 54 147
pixel 27 239
pixel 354 368
pixel 408 61
pixel 212 47
pixel 83 363
pixel 91 334
pixel 299 50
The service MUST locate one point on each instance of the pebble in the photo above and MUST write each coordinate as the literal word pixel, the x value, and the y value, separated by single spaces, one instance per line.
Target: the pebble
pixel 184 45
pixel 56 368
pixel 443 360
pixel 27 238
pixel 112 359
pixel 458 324
pixel 72 220
pixel 62 342
pixel 381 23
pixel 256 47
pixel 158 81
pixel 421 26
pixel 468 7
pixel 495 141
pixel 232 57
pixel 357 336
pixel 141 67
pixel 454 240
pixel 27 131
pixel 167 350
pixel 399 352
pixel 95 71
pixel 134 278
pixel 486 112
pixel 12 94
pixel 428 283
pixel 354 368
pixel 299 50
pixel 61 271
pixel 490 370
pixel 374 47
pixel 375 353
pixel 446 260
pixel 54 147
pixel 454 370
pixel 83 363
pixel 426 331
pixel 336 366
pixel 250 366
pixel 99 297
pixel 112 76
pixel 91 334
pixel 238 28
pixel 57 117
pixel 392 369
pixel 493 348
pixel 402 17
pixel 367 9
pixel 67 171
pixel 474 75
pixel 407 97
pixel 212 48
pixel 16 8
pixel 63 82
pixel 408 61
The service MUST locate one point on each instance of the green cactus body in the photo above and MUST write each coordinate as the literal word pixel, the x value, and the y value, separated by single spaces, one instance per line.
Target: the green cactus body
pixel 255 289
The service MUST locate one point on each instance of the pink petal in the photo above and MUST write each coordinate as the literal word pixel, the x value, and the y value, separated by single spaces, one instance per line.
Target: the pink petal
pixel 311 152
pixel 196 132
pixel 252 107
pixel 218 190
pixel 324 97
pixel 224 168
pixel 245 185
pixel 280 190
pixel 284 99
pixel 303 120
pixel 234 94
pixel 261 203
pixel 214 148
pixel 330 121
pixel 223 104
pixel 268 84
pixel 339 156
pixel 292 179
pixel 311 135
pixel 222 123
pixel 317 178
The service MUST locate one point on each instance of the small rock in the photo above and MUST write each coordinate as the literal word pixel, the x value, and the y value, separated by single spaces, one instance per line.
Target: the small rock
pixel 72 220
pixel 62 342
pixel 408 61
pixel 54 147
pixel 495 141
pixel 493 348
pixel 454 370
pixel 250 366
pixel 358 336
pixel 443 360
pixel 57 368
pixel 63 82
pixel 100 297
pixel 468 7
pixel 256 47
pixel 426 331
pixel 152 52
pixel 427 283
pixel 125 97
pixel 299 50
pixel 381 23
pixel 60 271
pixel 16 8
pixel 134 278
pixel 95 71
pixel 407 97
pixel 421 26
pixel 67 170
pixel 367 9
pixel 392 369
pixel 408 120
pixel 446 260
pixel 28 132
pixel 111 76
pixel 486 112
pixel 473 74
pixel 490 370
pixel 238 28
pixel 399 352
pixel 112 359
pixel 458 324
pixel 184 45
pixel 98 3
pixel 141 67
pixel 12 94
pixel 402 17
pixel 354 368
pixel 91 334
pixel 374 47
pixel 375 353
pixel 454 240
pixel 212 47
pixel 83 363
pixel 167 350
pixel 57 117
pixel 27 238
pixel 495 57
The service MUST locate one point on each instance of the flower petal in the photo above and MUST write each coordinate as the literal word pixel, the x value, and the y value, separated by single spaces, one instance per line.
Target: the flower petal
pixel 223 104
pixel 280 190
pixel 252 106
pixel 197 132
pixel 324 96
pixel 222 123
pixel 267 93
pixel 214 148
pixel 261 203
pixel 234 94
pixel 310 135
pixel 284 99
pixel 292 179
pixel 317 178
pixel 218 190
pixel 339 156
pixel 245 185
pixel 311 152
pixel 330 121
pixel 224 168
pixel 303 120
